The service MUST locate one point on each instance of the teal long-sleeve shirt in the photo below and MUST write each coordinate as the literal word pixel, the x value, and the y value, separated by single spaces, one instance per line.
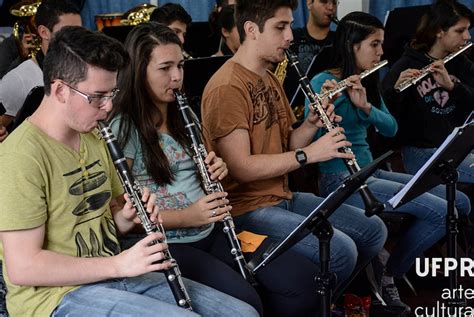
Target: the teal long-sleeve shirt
pixel 355 123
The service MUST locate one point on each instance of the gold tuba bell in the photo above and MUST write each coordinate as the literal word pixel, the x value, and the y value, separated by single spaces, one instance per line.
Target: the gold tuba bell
pixel 138 14
pixel 25 10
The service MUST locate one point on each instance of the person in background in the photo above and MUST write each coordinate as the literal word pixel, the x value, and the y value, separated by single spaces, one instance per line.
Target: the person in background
pixel 316 35
pixel 225 26
pixel 222 3
pixel 11 55
pixel 309 42
pixel 358 47
pixel 428 111
pixel 174 16
pixel 50 17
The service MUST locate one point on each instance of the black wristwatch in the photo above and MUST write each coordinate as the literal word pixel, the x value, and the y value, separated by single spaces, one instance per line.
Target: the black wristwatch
pixel 301 157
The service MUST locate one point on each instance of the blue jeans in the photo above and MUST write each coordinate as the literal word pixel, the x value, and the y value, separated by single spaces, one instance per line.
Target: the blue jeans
pixel 147 295
pixel 355 235
pixel 429 210
pixel 414 158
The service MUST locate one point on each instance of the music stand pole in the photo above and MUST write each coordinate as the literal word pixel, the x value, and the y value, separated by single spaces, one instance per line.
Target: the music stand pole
pixel 325 280
pixel 317 223
pixel 449 177
pixel 441 169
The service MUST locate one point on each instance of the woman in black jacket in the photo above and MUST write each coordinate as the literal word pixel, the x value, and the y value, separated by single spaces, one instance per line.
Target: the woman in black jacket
pixel 429 110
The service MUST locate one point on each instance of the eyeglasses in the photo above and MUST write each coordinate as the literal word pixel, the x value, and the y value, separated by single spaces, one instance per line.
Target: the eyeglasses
pixel 98 100
pixel 333 2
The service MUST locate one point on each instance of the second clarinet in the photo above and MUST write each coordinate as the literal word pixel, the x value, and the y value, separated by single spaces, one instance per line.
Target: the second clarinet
pixel 372 205
pixel 211 186
pixel 134 191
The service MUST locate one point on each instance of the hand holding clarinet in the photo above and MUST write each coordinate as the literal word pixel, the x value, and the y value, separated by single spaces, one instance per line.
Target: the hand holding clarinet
pixel 152 246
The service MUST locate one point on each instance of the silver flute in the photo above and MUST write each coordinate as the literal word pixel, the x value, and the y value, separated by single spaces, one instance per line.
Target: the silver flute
pixel 343 84
pixel 134 191
pixel 210 186
pixel 427 69
pixel 372 205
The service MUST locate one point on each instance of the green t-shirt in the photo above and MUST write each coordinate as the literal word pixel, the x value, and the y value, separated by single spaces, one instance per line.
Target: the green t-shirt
pixel 43 181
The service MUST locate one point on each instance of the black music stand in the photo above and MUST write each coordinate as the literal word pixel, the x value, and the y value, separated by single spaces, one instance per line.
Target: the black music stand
pixel 200 41
pixel 118 32
pixel 441 169
pixel 400 28
pixel 317 223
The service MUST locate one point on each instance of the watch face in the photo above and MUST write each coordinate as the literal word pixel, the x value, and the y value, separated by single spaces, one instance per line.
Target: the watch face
pixel 301 156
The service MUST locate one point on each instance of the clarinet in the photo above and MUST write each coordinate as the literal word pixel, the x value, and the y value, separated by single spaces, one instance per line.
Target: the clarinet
pixel 372 205
pixel 134 191
pixel 210 186
pixel 427 69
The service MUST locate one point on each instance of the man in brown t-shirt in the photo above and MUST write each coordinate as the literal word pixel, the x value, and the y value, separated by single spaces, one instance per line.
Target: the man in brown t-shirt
pixel 247 121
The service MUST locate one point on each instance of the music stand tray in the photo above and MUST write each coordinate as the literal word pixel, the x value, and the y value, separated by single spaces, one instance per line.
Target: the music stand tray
pixel 452 152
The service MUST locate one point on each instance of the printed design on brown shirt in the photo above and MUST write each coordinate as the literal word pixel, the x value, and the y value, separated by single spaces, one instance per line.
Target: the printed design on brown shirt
pixel 263 99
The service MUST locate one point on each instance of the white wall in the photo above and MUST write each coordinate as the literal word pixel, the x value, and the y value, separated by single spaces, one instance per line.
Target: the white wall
pixel 347 6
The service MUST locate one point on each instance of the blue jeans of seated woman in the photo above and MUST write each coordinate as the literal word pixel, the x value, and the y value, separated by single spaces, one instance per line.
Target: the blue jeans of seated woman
pixel 429 210
pixel 414 158
pixel 355 235
pixel 147 295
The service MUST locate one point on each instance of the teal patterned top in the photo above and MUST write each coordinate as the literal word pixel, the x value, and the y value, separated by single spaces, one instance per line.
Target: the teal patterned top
pixel 182 192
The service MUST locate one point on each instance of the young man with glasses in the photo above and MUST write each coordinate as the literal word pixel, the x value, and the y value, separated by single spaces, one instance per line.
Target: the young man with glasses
pixel 59 210
pixel 97 99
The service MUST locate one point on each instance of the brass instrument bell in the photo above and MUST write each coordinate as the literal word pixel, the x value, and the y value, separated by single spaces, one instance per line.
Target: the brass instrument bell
pixel 26 10
pixel 280 73
pixel 280 70
pixel 138 14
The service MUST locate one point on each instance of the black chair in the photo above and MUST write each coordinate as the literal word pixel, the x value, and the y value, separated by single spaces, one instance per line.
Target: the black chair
pixel 399 30
pixel 200 40
pixel 30 105
pixel 198 72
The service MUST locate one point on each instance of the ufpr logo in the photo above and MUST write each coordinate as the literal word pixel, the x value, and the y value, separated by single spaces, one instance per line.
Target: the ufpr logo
pixel 433 266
